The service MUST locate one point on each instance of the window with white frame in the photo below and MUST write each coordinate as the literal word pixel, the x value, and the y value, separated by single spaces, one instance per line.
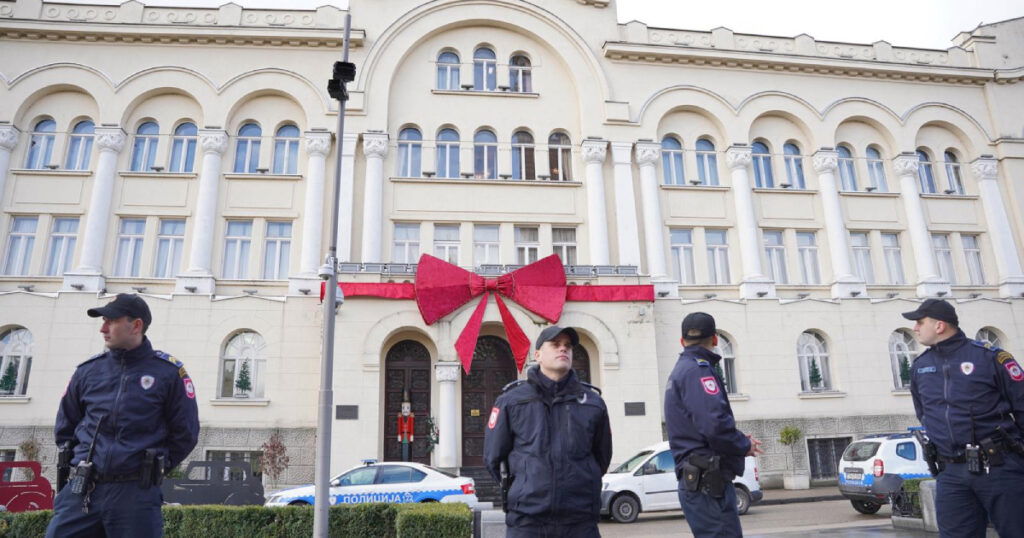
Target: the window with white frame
pixel 523 160
pixel 448 71
pixel 520 74
pixel 847 171
pixel 707 162
pixel 681 240
pixel 485 155
pixel 560 157
pixel 80 146
pixel 147 137
pixel 943 254
pixel 277 250
pixel 247 149
pixel 130 236
pixel 807 252
pixel 40 147
pixel 893 258
pixel 237 244
pixel 183 149
pixel 672 161
pixel 410 149
pixel 862 266
pixel 775 253
pixel 243 367
pixel 406 245
pixel 794 162
pixel 15 361
pixel 286 150
pixel 62 245
pixel 563 241
pixel 527 244
pixel 989 335
pixel 170 241
pixel 762 161
pixel 953 175
pixel 20 240
pixel 485 244
pixel 727 367
pixel 902 351
pixel 485 70
pixel 718 256
pixel 924 173
pixel 812 353
pixel 448 153
pixel 972 253
pixel 876 170
pixel 446 242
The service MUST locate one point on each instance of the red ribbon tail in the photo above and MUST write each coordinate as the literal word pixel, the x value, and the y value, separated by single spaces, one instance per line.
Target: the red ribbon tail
pixel 466 344
pixel 517 339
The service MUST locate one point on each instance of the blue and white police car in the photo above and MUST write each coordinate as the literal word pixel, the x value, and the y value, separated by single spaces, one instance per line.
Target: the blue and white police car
pixel 875 467
pixel 388 482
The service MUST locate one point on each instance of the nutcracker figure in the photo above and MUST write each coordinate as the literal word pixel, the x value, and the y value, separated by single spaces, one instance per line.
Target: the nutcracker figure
pixel 406 427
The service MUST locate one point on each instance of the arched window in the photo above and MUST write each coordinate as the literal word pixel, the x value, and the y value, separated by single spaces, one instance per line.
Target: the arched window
pixel 247 149
pixel 876 170
pixel 727 367
pixel 485 155
pixel 990 336
pixel 448 153
pixel 40 147
pixel 902 351
pixel 560 157
pixel 520 76
pixel 707 162
pixel 183 149
pixel 144 151
pixel 847 172
pixel 15 361
pixel 924 173
pixel 447 71
pixel 286 150
pixel 243 366
pixel 485 70
pixel 672 161
pixel 794 166
pixel 80 146
pixel 410 149
pixel 762 160
pixel 953 174
pixel 523 162
pixel 812 353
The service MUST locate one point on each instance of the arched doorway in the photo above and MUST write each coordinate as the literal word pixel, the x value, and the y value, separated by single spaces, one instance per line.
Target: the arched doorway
pixel 581 363
pixel 493 368
pixel 407 367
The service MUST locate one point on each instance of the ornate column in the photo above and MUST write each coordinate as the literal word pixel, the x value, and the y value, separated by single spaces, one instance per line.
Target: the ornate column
pixel 625 205
pixel 318 145
pixel 753 284
pixel 846 284
pixel 88 276
pixel 8 141
pixel 198 278
pixel 647 154
pixel 375 147
pixel 1011 278
pixel 447 374
pixel 346 203
pixel 929 284
pixel 594 152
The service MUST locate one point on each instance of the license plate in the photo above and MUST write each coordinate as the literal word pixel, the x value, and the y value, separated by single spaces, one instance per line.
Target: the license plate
pixel 854 473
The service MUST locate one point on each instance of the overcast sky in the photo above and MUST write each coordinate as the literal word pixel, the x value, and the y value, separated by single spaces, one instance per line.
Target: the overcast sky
pixel 909 23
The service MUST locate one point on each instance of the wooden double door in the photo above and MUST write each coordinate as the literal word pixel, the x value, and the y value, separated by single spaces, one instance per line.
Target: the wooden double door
pixel 407 367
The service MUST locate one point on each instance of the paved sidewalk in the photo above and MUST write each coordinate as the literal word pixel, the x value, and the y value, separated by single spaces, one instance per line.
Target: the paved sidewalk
pixel 787 496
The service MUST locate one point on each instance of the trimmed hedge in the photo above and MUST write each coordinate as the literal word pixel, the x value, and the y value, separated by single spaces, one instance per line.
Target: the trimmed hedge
pixel 358 520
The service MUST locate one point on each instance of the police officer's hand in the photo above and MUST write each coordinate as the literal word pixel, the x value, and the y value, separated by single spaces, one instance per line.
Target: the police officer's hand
pixel 755 446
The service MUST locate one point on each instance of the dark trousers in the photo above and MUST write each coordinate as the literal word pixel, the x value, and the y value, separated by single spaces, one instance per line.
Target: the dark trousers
pixel 116 509
pixel 965 502
pixel 708 516
pixel 587 529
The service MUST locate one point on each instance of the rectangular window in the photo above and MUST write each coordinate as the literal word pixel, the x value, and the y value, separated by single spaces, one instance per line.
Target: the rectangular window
pixel 807 250
pixel 8 454
pixel 943 257
pixel 407 243
pixel 277 251
pixel 775 252
pixel 682 254
pixel 527 244
pixel 447 159
pixel 563 241
pixel 446 242
pixel 485 244
pixel 62 246
pixel 129 247
pixel 972 251
pixel 237 242
pixel 893 258
pixel 718 256
pixel 252 457
pixel 169 244
pixel 20 240
pixel 824 456
pixel 862 257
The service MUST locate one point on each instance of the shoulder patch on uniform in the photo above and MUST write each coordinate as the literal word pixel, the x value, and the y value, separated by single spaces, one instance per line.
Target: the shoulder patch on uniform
pixel 1003 356
pixel 175 362
pixel 591 387
pixel 1012 367
pixel 709 384
pixel 702 362
pixel 90 359
pixel 512 385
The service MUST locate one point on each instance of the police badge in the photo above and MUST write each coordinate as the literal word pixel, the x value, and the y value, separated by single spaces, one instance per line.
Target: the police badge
pixel 146 381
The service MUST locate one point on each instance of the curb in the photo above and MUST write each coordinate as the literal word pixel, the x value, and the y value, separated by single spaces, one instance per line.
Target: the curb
pixel 793 500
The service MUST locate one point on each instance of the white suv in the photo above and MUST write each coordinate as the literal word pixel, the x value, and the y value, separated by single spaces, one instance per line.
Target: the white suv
pixel 874 467
pixel 647 483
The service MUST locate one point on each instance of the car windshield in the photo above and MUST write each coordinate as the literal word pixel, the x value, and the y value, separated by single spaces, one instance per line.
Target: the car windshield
pixel 631 463
pixel 861 450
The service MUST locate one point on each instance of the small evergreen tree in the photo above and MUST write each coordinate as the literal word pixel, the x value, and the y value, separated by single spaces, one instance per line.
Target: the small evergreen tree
pixel 9 380
pixel 814 374
pixel 244 381
pixel 274 459
pixel 721 375
pixel 905 370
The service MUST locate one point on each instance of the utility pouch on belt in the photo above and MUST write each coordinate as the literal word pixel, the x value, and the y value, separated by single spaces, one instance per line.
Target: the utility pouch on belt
pixel 992 451
pixel 691 476
pixel 152 468
pixel 64 464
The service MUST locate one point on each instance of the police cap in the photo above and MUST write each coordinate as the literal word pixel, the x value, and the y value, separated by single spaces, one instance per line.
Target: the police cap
pixel 553 331
pixel 698 326
pixel 935 309
pixel 125 304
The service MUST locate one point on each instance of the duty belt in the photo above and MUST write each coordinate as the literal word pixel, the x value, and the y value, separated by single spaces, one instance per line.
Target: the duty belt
pixel 101 478
pixel 955 459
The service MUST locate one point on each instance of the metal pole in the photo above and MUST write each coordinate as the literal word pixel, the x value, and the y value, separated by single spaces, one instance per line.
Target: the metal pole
pixel 322 502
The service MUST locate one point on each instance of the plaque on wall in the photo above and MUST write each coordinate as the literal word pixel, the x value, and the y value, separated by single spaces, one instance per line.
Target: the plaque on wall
pixel 346 412
pixel 636 409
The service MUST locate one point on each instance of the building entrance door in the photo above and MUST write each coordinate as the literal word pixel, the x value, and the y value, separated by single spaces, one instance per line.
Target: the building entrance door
pixel 493 368
pixel 407 367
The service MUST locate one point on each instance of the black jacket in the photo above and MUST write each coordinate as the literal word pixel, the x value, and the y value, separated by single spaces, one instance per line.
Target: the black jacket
pixel 558 444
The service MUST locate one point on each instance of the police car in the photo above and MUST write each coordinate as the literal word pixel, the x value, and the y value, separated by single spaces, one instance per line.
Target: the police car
pixel 388 482
pixel 874 467
pixel 647 483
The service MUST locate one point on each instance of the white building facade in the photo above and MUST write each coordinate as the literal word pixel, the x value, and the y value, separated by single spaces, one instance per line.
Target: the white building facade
pixel 802 192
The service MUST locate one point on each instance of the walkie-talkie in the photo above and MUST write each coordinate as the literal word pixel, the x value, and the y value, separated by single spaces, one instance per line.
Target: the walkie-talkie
pixel 84 470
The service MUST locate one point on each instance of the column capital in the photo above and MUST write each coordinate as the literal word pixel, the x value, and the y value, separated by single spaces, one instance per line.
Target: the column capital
pixel 905 164
pixel 447 372
pixel 318 143
pixel 825 160
pixel 8 137
pixel 375 144
pixel 213 141
pixel 737 156
pixel 594 151
pixel 985 167
pixel 622 152
pixel 110 139
pixel 647 153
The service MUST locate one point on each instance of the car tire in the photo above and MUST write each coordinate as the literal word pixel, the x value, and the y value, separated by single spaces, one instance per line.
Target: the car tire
pixel 298 503
pixel 866 507
pixel 428 501
pixel 742 500
pixel 625 509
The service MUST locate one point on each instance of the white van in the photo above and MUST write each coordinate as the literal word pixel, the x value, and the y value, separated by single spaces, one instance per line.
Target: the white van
pixel 647 483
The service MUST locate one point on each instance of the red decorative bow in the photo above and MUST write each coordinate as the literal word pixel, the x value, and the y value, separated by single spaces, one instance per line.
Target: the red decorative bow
pixel 441 288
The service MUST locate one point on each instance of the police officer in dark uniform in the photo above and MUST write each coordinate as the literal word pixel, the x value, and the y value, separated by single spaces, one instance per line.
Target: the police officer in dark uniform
pixel 969 396
pixel 129 415
pixel 553 431
pixel 707 448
